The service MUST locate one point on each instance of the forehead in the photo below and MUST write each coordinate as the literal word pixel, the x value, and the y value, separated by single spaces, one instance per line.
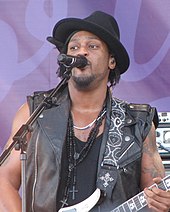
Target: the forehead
pixel 84 35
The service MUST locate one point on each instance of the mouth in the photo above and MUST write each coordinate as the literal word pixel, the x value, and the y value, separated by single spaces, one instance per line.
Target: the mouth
pixel 84 66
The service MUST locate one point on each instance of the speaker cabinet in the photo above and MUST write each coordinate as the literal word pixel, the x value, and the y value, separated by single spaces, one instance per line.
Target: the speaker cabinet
pixel 163 139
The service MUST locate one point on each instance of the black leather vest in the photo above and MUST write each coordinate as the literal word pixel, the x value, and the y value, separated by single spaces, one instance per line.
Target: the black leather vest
pixel 127 125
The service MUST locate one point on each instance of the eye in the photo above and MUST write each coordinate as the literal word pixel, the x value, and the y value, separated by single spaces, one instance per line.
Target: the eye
pixel 75 47
pixel 93 46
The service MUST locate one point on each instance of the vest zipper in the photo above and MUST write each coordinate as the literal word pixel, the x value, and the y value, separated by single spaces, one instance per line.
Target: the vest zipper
pixel 35 175
pixel 125 152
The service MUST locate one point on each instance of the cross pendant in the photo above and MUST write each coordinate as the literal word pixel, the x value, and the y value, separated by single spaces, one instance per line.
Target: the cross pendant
pixel 73 191
pixel 64 203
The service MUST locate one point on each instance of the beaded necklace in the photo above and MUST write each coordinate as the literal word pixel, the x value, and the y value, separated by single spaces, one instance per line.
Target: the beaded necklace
pixel 75 158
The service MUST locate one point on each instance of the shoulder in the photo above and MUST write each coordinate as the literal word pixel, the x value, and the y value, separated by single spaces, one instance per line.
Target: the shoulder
pixel 143 111
pixel 21 115
pixel 50 98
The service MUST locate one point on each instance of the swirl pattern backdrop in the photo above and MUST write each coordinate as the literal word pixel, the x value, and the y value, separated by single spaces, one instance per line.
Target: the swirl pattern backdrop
pixel 28 62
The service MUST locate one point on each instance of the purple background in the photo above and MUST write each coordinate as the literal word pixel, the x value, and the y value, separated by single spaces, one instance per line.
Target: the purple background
pixel 28 62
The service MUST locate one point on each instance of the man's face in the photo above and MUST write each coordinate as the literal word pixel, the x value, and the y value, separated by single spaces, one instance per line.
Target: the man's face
pixel 96 51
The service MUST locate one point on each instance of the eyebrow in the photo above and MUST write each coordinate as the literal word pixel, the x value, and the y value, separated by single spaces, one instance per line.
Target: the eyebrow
pixel 86 37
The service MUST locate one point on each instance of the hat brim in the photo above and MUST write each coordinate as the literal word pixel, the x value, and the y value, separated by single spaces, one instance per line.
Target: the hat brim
pixel 65 27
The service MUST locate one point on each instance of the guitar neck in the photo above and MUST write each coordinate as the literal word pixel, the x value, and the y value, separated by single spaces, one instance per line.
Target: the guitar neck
pixel 138 202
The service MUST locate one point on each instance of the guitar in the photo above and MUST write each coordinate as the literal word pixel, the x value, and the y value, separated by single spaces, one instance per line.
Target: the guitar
pixel 134 204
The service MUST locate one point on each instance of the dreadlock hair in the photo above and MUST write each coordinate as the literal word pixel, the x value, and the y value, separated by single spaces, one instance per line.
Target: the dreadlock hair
pixel 114 76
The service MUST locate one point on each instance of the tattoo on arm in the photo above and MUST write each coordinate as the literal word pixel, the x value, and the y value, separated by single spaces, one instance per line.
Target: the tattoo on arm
pixel 152 172
pixel 149 145
pixel 153 163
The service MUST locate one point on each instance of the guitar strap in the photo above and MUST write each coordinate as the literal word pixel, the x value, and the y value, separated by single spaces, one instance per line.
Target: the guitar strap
pixel 107 175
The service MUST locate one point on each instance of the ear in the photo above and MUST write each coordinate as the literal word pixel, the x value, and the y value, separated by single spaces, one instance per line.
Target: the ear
pixel 112 62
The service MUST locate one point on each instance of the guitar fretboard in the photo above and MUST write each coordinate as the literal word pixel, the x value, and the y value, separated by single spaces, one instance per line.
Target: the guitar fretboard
pixel 138 202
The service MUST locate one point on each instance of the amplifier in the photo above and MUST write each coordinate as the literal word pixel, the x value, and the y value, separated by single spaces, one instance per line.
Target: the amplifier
pixel 164 117
pixel 163 139
pixel 163 134
pixel 166 164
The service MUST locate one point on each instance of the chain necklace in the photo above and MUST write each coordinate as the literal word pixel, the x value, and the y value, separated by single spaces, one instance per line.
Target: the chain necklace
pixel 91 124
pixel 86 127
pixel 75 158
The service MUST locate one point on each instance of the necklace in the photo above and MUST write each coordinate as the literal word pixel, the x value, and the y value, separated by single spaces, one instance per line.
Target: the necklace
pixel 85 127
pixel 75 158
pixel 91 124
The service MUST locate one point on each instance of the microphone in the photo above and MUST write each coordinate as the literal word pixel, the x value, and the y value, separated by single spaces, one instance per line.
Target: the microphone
pixel 72 61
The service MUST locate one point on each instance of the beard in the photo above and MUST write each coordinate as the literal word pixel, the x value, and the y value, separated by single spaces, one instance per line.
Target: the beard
pixel 83 82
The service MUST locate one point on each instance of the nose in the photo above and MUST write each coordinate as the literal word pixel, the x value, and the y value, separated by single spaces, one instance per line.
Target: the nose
pixel 83 51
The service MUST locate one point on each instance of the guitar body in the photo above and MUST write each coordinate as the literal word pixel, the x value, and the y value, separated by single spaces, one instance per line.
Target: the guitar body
pixel 136 203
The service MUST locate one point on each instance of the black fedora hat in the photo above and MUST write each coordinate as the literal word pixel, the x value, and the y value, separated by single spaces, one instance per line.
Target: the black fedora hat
pixel 99 23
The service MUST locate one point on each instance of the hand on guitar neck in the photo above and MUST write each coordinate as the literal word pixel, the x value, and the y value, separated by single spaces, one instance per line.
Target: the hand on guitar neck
pixel 157 192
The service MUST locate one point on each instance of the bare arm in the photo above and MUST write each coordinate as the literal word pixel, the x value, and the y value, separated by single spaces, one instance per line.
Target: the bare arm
pixel 152 165
pixel 10 170
pixel 152 172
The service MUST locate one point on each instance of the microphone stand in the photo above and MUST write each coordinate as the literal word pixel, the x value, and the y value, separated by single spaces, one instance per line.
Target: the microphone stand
pixel 19 139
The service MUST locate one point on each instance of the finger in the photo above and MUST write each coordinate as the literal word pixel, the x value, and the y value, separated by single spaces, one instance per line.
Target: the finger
pixel 155 200
pixel 157 180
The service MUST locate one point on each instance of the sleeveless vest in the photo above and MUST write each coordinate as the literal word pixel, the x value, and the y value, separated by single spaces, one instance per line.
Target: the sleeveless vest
pixel 126 127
